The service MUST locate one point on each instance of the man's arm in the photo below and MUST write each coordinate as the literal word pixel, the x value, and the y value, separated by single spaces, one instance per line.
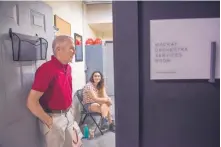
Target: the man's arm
pixel 40 85
pixel 35 107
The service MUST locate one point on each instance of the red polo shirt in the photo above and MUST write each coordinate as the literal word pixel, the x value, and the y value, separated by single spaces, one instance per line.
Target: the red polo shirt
pixel 54 79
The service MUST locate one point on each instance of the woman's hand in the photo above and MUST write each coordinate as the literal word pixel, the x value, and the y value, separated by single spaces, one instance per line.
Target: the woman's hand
pixel 106 100
pixel 109 102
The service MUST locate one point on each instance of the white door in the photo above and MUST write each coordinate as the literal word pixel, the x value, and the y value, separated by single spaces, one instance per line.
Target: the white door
pixel 18 127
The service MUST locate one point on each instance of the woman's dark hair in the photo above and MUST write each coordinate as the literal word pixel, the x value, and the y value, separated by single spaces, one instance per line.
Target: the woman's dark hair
pixel 100 85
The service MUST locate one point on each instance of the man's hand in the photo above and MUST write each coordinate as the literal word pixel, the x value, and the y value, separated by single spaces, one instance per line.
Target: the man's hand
pixel 49 122
pixel 36 109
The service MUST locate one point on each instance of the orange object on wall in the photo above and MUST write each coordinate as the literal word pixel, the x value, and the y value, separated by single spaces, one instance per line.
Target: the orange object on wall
pixel 89 41
pixel 78 42
pixel 97 41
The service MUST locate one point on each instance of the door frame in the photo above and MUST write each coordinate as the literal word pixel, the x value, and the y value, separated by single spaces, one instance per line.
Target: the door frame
pixel 128 82
pixel 108 41
pixel 126 55
pixel 105 57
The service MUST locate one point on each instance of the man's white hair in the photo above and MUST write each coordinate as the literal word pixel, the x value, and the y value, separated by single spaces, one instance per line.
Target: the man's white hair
pixel 59 40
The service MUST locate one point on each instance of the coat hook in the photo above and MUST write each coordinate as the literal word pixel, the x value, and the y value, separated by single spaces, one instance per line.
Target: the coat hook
pixel 10 32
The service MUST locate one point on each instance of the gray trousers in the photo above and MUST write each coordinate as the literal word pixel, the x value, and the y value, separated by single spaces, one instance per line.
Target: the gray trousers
pixel 61 133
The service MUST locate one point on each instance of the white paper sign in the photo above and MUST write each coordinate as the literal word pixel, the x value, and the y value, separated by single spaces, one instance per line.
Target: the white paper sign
pixel 181 48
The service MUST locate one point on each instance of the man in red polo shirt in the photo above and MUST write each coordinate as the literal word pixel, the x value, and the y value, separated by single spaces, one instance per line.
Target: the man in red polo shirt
pixel 51 95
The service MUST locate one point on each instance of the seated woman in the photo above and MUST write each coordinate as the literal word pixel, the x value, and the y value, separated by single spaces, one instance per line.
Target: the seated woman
pixel 95 99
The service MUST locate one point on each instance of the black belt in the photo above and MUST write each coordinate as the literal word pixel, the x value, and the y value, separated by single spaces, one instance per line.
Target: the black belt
pixel 56 111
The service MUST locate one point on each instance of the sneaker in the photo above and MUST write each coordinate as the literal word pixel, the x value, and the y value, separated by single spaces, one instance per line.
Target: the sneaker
pixel 104 124
pixel 112 127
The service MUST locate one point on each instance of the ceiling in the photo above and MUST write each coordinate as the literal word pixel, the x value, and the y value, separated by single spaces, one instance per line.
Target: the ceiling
pixel 96 2
pixel 102 27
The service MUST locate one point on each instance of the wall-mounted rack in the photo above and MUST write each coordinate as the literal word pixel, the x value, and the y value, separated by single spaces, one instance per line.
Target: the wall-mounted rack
pixel 28 48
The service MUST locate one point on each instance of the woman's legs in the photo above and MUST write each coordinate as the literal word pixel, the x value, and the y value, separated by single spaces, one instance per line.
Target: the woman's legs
pixel 110 119
pixel 95 107
pixel 104 109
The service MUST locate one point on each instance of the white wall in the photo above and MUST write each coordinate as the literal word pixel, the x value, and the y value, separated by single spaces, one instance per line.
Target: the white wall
pixel 99 17
pixel 106 36
pixel 99 13
pixel 74 12
pixel 79 16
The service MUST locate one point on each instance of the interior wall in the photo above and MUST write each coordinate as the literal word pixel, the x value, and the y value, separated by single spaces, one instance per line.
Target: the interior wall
pixel 99 13
pixel 74 12
pixel 99 16
pixel 176 113
pixel 105 35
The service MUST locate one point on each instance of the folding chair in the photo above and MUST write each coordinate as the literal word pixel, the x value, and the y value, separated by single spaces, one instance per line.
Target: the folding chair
pixel 86 113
